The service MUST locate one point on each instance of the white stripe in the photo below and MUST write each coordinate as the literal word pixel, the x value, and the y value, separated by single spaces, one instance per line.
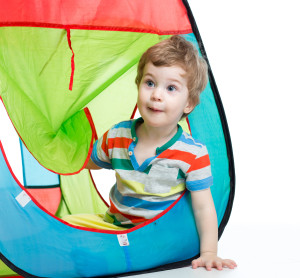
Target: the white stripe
pixel 172 163
pixel 199 174
pixel 125 191
pixel 119 132
pixel 100 153
pixel 119 153
pixel 134 211
pixel 161 180
pixel 193 149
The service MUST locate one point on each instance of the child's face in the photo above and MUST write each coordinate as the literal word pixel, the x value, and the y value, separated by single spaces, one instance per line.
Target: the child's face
pixel 163 95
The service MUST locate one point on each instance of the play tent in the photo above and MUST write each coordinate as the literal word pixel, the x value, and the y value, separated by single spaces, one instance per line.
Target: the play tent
pixel 67 71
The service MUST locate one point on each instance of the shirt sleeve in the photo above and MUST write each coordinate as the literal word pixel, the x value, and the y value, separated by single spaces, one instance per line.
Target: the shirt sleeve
pixel 198 176
pixel 100 154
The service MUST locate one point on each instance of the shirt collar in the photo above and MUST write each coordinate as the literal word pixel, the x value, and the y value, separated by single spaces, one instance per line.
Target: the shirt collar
pixel 162 148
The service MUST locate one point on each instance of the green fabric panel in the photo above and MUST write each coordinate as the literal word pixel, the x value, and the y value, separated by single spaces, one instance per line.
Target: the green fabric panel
pixel 80 195
pixel 35 69
pixel 5 271
pixel 62 209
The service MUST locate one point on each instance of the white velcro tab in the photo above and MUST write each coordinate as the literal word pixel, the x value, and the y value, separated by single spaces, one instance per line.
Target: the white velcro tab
pixel 23 199
pixel 123 240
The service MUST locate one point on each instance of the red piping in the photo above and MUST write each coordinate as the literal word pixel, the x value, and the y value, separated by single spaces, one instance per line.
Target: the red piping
pixel 98 190
pixel 87 27
pixel 72 60
pixel 133 113
pixel 90 119
pixel 188 122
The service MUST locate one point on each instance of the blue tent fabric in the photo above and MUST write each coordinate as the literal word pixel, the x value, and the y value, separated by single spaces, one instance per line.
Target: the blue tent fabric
pixel 33 235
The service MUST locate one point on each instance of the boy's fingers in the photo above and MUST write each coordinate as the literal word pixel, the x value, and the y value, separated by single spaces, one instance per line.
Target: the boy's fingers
pixel 197 263
pixel 208 266
pixel 219 265
pixel 229 263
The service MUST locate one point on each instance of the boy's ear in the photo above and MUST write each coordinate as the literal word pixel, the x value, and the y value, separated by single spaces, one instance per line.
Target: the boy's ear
pixel 189 107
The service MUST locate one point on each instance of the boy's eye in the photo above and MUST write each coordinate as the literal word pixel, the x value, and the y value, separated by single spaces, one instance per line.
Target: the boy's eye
pixel 150 83
pixel 171 88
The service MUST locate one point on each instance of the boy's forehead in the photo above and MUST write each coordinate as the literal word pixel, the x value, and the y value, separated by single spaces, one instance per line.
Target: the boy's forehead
pixel 176 69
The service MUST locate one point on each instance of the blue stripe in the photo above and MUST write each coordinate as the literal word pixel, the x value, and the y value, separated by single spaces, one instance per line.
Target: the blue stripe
pixel 139 203
pixel 127 258
pixel 199 184
pixel 190 141
pixel 132 158
pixel 97 161
pixel 126 124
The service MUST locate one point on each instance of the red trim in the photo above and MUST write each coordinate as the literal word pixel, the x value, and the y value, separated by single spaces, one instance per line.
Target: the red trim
pixel 98 190
pixel 94 136
pixel 72 60
pixel 90 119
pixel 188 122
pixel 133 113
pixel 82 228
pixel 101 28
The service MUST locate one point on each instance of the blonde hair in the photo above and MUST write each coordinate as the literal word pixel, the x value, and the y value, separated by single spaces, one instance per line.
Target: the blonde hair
pixel 178 51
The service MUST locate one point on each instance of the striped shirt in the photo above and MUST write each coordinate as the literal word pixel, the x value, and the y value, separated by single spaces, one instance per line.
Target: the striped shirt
pixel 143 191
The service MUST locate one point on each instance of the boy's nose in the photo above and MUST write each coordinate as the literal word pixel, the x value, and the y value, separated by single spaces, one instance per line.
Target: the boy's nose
pixel 156 94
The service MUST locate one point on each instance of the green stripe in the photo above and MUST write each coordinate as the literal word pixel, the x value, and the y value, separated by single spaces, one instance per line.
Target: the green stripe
pixel 171 142
pixel 122 164
pixel 181 175
pixel 147 170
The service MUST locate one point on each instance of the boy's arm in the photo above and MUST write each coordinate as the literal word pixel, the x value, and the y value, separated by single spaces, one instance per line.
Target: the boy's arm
pixel 207 225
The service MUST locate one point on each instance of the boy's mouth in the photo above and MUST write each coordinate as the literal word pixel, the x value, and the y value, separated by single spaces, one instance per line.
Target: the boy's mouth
pixel 153 109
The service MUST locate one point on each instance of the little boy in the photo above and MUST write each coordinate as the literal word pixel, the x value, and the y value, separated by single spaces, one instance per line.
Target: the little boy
pixel 154 159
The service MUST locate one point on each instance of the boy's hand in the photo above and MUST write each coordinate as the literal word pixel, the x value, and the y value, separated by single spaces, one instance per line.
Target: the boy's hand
pixel 211 260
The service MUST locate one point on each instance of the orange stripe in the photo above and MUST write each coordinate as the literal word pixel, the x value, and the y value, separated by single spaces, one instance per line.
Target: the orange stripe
pixel 104 146
pixel 178 155
pixel 133 219
pixel 200 163
pixel 119 142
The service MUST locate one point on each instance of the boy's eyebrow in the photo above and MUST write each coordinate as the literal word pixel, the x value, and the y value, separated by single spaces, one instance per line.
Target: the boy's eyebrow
pixel 170 80
pixel 149 74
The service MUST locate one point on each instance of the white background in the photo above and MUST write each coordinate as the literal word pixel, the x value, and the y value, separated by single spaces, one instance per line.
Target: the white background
pixel 254 51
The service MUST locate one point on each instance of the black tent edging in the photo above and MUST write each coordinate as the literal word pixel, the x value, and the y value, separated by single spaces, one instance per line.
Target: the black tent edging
pixel 223 121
